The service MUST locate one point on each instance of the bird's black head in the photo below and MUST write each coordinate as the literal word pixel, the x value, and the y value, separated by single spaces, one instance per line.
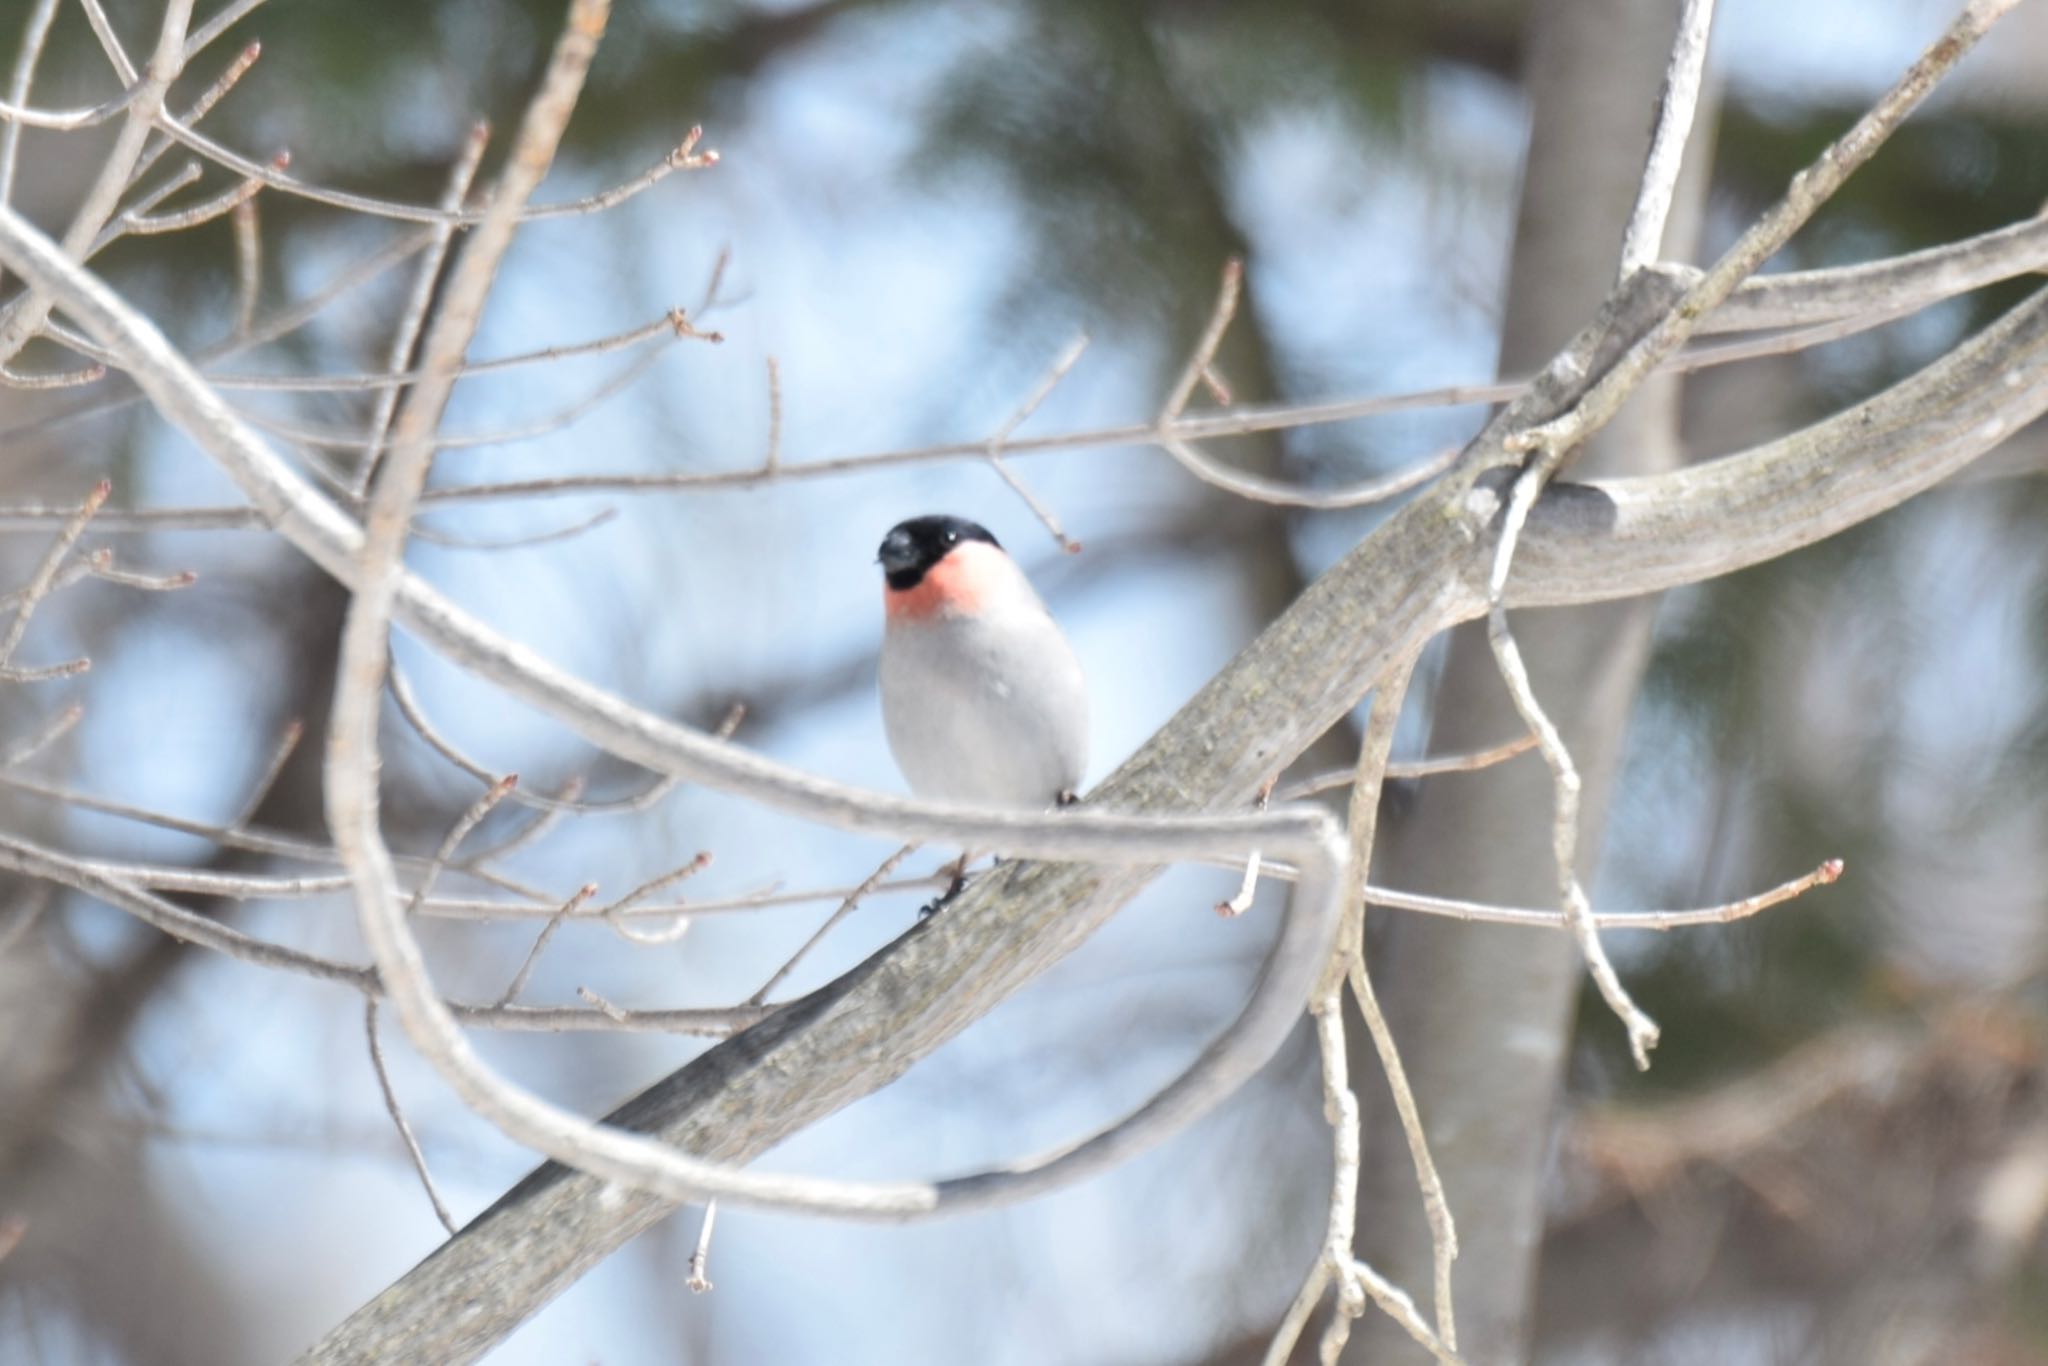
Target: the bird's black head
pixel 914 546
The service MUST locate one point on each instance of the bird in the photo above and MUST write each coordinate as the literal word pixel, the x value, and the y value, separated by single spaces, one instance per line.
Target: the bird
pixel 983 699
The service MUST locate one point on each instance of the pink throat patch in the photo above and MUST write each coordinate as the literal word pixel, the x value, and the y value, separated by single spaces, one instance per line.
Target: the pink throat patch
pixel 956 584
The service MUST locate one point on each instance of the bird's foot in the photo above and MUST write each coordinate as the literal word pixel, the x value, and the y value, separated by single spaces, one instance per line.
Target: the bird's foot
pixel 945 898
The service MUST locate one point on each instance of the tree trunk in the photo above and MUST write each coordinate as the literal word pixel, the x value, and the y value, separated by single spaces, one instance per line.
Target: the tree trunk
pixel 1483 1014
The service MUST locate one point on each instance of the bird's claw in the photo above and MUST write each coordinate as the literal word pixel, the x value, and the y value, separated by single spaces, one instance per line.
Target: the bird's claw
pixel 945 898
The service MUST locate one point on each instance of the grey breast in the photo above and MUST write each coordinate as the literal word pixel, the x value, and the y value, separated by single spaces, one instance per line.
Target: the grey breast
pixel 983 716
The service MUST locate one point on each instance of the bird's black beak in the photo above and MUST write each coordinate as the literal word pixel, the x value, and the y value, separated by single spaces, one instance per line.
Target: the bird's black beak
pixel 898 552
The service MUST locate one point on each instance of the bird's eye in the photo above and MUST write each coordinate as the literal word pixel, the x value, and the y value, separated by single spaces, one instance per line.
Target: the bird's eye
pixel 951 537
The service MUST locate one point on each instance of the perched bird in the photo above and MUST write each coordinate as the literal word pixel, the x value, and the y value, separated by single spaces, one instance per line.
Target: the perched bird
pixel 982 697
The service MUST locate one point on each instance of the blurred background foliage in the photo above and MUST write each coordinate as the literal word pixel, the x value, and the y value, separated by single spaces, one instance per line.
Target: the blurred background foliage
pixel 958 188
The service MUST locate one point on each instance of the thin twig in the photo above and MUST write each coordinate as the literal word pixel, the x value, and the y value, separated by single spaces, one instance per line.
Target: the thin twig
pixel 1363 826
pixel 226 202
pixel 545 819
pixel 188 174
pixel 647 798
pixel 418 299
pixel 229 77
pixel 27 314
pixel 567 415
pixel 1677 102
pixel 45 575
pixel 1564 821
pixel 1338 1261
pixel 1248 886
pixel 525 541
pixel 1173 433
pixel 21 856
pixel 391 1107
pixel 69 120
pixel 698 1282
pixel 110 42
pixel 1414 768
pixel 1061 366
pixel 33 38
pixel 230 15
pixel 248 266
pixel 845 908
pixel 684 156
pixel 681 927
pixel 53 379
pixel 458 832
pixel 58 726
pixel 1722 914
pixel 616 1013
pixel 673 325
pixel 532 960
pixel 106 571
pixel 267 776
pixel 1808 190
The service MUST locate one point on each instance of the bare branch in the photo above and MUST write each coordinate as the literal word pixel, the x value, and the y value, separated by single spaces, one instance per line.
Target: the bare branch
pixel 671 326
pixel 110 42
pixel 58 726
pixel 457 833
pixel 532 960
pixel 26 315
pixel 1338 1262
pixel 551 536
pixel 45 575
pixel 398 1119
pixel 22 856
pixel 229 77
pixel 698 1281
pixel 414 314
pixel 57 379
pixel 612 914
pixel 280 755
pixel 248 267
pixel 34 36
pixel 1417 768
pixel 67 120
pixel 1722 914
pixel 565 416
pixel 1061 366
pixel 1677 101
pixel 227 201
pixel 853 899
pixel 1809 189
pixel 684 156
pixel 230 15
pixel 1917 278
pixel 650 796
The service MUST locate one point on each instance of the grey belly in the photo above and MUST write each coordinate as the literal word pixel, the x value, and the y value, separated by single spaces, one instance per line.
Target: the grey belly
pixel 984 721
